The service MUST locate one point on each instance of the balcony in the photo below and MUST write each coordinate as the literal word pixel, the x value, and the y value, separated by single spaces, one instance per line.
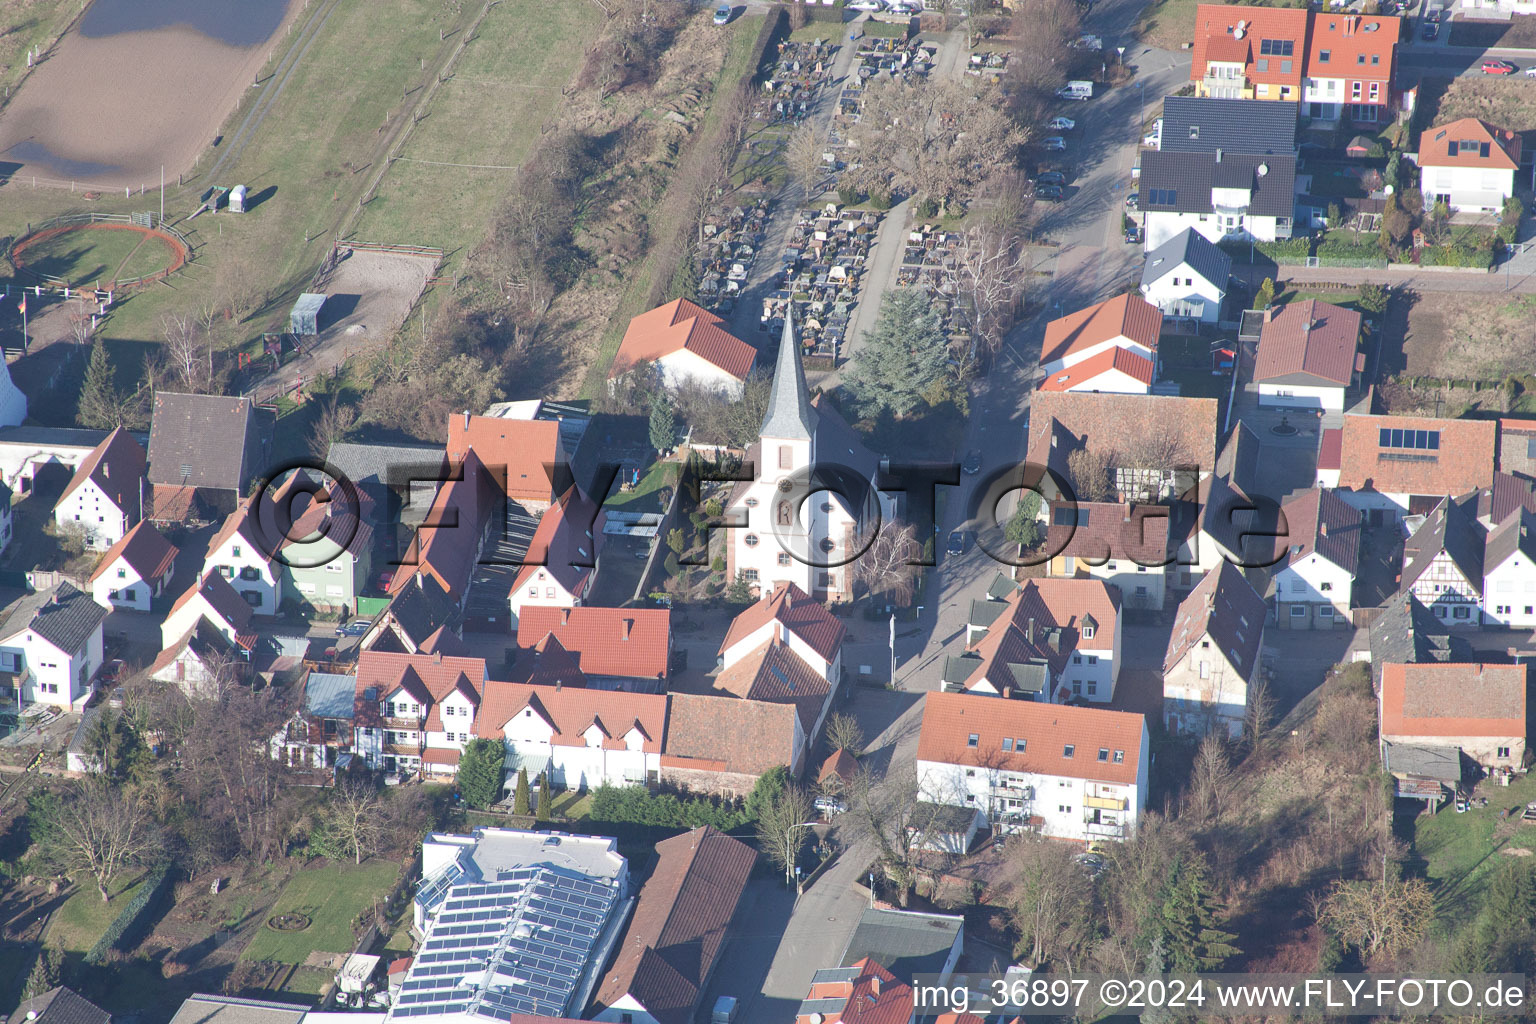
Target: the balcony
pixel 403 749
pixel 1106 803
pixel 1104 829
pixel 1016 790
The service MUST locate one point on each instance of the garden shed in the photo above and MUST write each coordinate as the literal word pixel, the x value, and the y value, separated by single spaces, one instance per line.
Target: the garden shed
pixel 305 317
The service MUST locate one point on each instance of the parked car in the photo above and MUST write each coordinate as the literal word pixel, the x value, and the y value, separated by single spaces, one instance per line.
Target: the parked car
pixel 1049 193
pixel 1091 863
pixel 1131 200
pixel 1055 144
pixel 1132 235
pixel 1432 15
pixel 901 8
pixel 722 14
pixel 1530 72
pixel 1061 124
pixel 357 627
pixel 866 5
pixel 972 462
pixel 829 806
pixel 1461 806
pixel 1154 138
pixel 1051 178
pixel 1498 67
pixel 1430 31
pixel 959 541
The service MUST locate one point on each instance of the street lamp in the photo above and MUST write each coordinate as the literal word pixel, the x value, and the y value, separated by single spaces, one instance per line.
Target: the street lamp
pixel 791 848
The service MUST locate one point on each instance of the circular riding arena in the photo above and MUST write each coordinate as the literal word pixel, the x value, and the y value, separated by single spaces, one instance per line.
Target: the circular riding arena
pixel 94 250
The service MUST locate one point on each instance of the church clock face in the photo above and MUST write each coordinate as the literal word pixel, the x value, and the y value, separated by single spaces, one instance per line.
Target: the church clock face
pixel 786 485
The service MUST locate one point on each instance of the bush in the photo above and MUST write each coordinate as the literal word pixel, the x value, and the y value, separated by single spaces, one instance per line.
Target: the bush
pixel 880 199
pixel 1456 254
pixel 1509 223
pixel 1291 248
pixel 134 914
pixel 1372 299
pixel 927 208
pixel 847 195
pixel 636 805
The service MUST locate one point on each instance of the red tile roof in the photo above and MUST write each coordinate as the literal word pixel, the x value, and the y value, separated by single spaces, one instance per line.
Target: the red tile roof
pixel 1048 730
pixel 727 734
pixel 1225 607
pixel 1114 425
pixel 680 325
pixel 1330 448
pixel 448 542
pixel 1044 620
pixel 801 614
pixel 1101 531
pixel 597 638
pixel 116 466
pixel 563 544
pixel 874 996
pixel 519 448
pixel 1493 148
pixel 774 673
pixel 680 924
pixel 1450 699
pixel 1463 462
pixel 1217 24
pixel 1079 375
pixel 242 522
pixel 147 552
pixel 1310 343
pixel 1349 37
pixel 1127 316
pixel 440 755
pixel 572 710
pixel 841 765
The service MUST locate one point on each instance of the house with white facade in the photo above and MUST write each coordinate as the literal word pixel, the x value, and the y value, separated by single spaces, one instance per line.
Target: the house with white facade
pixel 1212 659
pixel 1186 277
pixel 1443 564
pixel 1394 466
pixel 1086 337
pixel 790 615
pixel 1049 640
pixel 103 499
pixel 202 661
pixel 1469 165
pixel 685 343
pixel 560 567
pixel 1067 772
pixel 1238 196
pixel 50 648
pixel 1509 572
pixel 213 600
pixel 578 738
pixel 1319 558
pixel 600 648
pixel 135 570
pixel 813 494
pixel 1127 546
pixel 242 552
pixel 1309 353
pixel 415 712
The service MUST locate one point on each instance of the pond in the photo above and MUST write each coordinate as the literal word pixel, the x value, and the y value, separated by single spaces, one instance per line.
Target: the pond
pixel 233 22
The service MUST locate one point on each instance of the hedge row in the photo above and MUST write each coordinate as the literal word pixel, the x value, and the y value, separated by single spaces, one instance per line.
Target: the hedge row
pixel 638 806
pixel 1456 255
pixel 134 914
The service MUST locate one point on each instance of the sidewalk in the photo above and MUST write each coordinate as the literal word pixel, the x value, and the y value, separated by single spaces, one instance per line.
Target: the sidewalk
pixel 1519 278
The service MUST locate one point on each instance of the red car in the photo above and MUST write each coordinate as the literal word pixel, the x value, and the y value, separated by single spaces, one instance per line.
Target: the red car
pixel 1498 67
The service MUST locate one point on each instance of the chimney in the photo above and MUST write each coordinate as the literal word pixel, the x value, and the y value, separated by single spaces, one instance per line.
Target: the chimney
pixel 557 685
pixel 419 580
pixel 874 984
pixel 628 625
pixel 1269 313
pixel 1029 632
pixel 1218 154
pixel 1007 692
pixel 466 419
pixel 437 657
pixel 1322 528
pixel 565 616
pixel 789 599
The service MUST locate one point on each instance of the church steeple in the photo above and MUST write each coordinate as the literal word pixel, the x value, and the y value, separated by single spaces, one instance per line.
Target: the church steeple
pixel 790 416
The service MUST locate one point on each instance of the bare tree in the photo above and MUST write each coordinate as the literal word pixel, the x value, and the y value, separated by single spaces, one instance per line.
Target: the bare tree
pixel 1092 475
pixel 843 733
pixel 330 426
pixel 1210 778
pixel 227 768
pixel 886 567
pixel 891 813
pixel 100 829
pixel 804 153
pixel 354 819
pixel 782 827
pixel 1379 917
pixel 1051 895
pixel 1259 715
pixel 993 266
pixel 187 355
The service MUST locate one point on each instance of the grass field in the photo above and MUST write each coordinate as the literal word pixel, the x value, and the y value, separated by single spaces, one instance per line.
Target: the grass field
pixel 93 255
pixel 1170 24
pixel 25 24
pixel 506 84
pixel 83 917
pixel 1460 851
pixel 332 895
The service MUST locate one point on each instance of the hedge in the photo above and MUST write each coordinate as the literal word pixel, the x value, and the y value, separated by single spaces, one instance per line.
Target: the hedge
pixel 638 806
pixel 1456 255
pixel 134 914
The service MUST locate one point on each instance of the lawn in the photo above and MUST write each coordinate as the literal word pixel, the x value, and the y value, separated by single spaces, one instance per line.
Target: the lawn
pixel 642 497
pixel 1170 24
pixel 484 121
pixel 88 256
pixel 29 24
pixel 1459 851
pixel 84 918
pixel 331 895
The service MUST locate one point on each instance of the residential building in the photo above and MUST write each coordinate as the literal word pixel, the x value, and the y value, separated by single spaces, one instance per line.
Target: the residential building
pixel 1203 124
pixel 1186 277
pixel 1049 640
pixel 1124 322
pixel 1229 521
pixel 684 343
pixel 1156 446
pixel 213 600
pixel 59 1006
pixel 1443 564
pixel 1351 59
pixel 51 647
pixel 1127 546
pixel 1319 558
pixel 1068 772
pixel 1406 631
pixel 1517 448
pixel 789 614
pixel 1477 708
pixel 774 673
pixel 1116 371
pixel 906 942
pixel 862 993
pixel 1308 355
pixel 244 553
pixel 1238 196
pixel 26 451
pixel 808 459
pixel 211 1009
pixel 1507 495
pixel 722 744
pixel 321 728
pixel 611 648
pixel 325 553
pixel 462 517
pixel 419 609
pixel 203 659
pixel 512 923
pixel 103 500
pixel 1393 466
pixel 579 738
pixel 1509 572
pixel 560 567
pixel 1469 165
pixel 682 920
pixel 1247 54
pixel 1212 660
pixel 135 570
pixel 204 452
pixel 415 712
pixel 529 453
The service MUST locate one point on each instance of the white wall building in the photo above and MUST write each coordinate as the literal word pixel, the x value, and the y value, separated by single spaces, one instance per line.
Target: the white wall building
pixel 135 570
pixel 1213 655
pixel 51 647
pixel 1509 573
pixel 582 738
pixel 1469 165
pixel 1186 277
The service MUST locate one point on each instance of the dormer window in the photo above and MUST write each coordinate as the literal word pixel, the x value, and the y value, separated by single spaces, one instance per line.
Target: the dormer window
pixel 1088 632
pixel 1068 750
pixel 235 550
pixel 973 740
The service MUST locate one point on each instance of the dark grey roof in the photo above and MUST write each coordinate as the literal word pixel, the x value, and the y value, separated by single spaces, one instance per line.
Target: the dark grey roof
pixel 1516 533
pixel 1194 124
pixel 371 464
pixel 204 441
pixel 63 616
pixel 416 611
pixel 328 695
pixel 77 437
pixel 1440 763
pixel 1001 587
pixel 984 613
pixel 904 942
pixel 61 1006
pixel 960 667
pixel 1451 528
pixel 1405 633
pixel 1190 247
pixel 1238 459
pixel 1191 176
pixel 789 415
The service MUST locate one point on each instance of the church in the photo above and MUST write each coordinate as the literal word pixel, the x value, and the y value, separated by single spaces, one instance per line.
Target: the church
pixel 812 503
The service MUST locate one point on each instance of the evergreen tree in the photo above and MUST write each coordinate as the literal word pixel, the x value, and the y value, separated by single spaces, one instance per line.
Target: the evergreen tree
pixel 663 422
pixel 1188 920
pixel 1023 527
pixel 544 810
pixel 1266 294
pixel 100 404
pixel 482 769
pixel 520 798
pixel 740 589
pixel 766 790
pixel 47 972
pixel 904 355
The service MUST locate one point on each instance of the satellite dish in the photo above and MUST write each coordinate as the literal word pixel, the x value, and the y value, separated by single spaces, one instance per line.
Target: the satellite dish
pixel 1263 169
pixel 1388 189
